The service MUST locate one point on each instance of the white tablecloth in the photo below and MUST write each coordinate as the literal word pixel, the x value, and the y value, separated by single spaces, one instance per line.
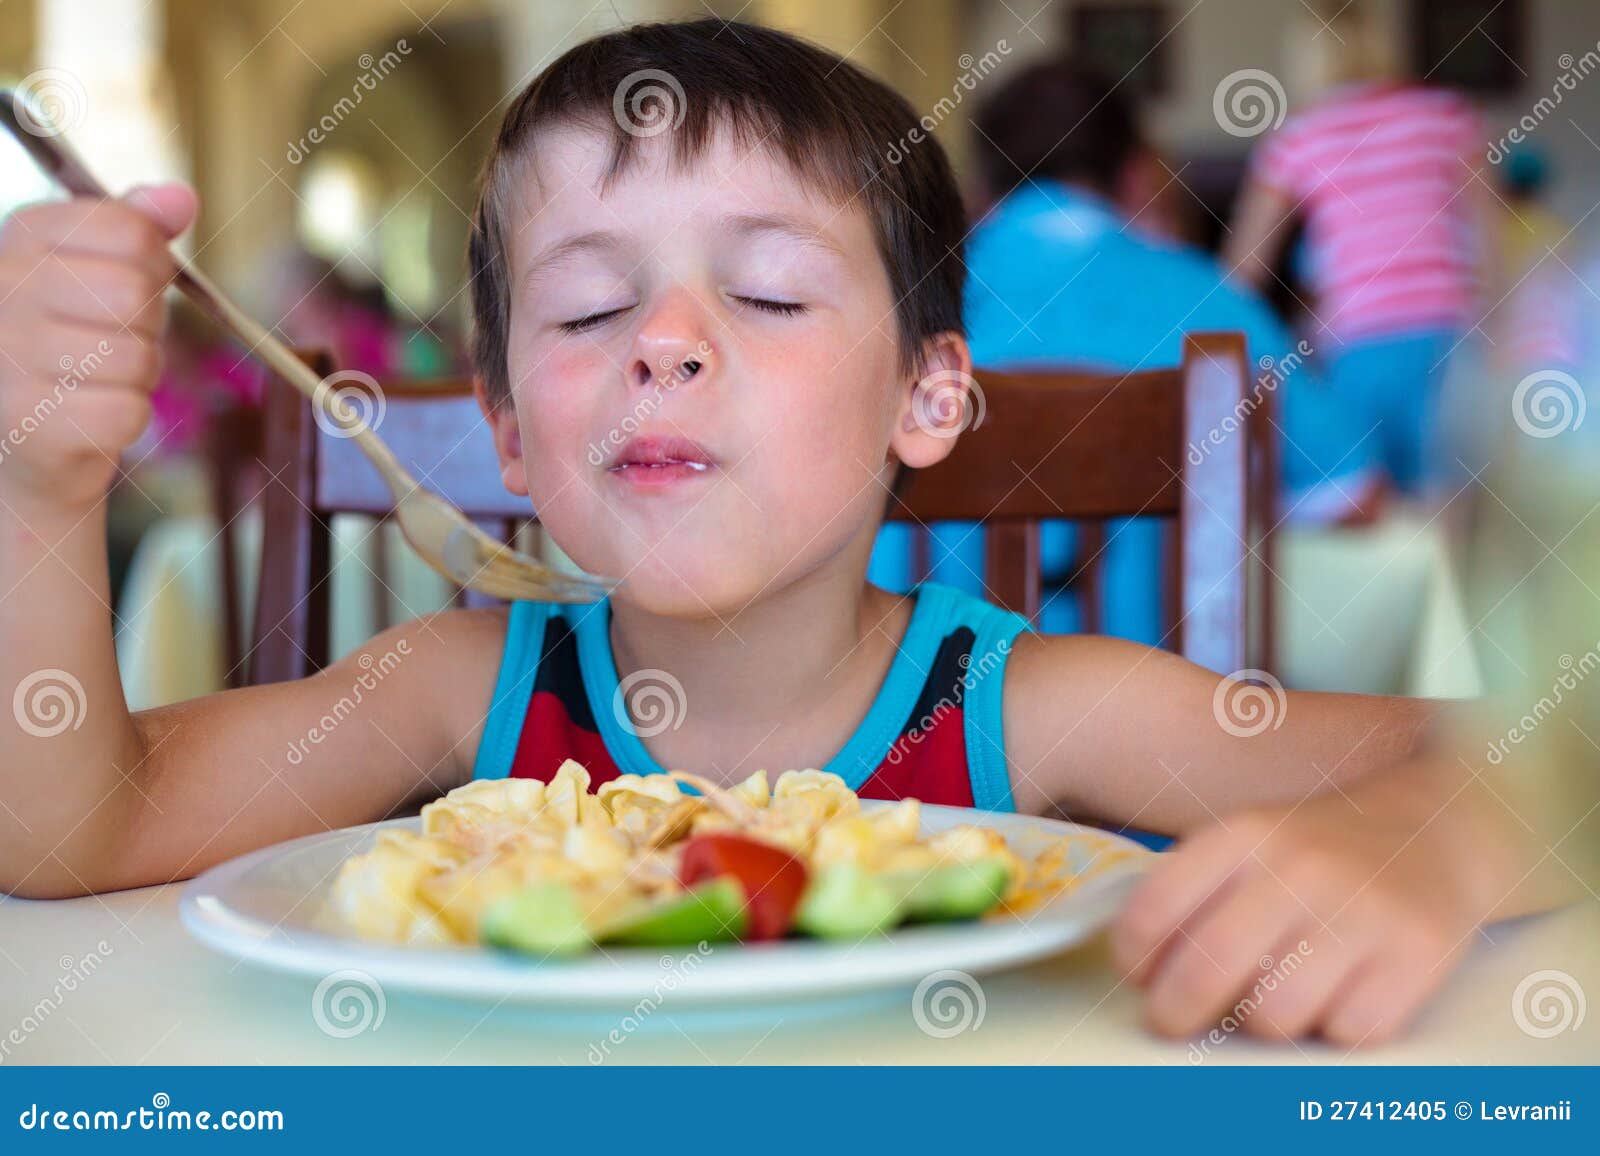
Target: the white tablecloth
pixel 158 997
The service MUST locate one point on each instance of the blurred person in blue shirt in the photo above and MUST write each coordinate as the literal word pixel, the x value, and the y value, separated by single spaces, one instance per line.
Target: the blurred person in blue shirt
pixel 1059 276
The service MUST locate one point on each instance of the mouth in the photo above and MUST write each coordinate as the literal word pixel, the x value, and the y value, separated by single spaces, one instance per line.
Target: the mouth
pixel 652 461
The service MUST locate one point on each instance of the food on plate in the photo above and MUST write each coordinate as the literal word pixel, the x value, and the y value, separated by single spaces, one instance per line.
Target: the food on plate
pixel 771 880
pixel 553 869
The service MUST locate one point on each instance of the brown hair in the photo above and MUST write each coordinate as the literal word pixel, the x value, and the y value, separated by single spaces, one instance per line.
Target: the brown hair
pixel 835 125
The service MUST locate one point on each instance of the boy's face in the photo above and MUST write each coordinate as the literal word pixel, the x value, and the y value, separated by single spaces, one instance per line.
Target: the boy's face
pixel 737 320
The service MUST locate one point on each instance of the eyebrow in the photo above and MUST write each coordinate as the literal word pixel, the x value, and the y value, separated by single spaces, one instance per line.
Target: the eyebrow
pixel 596 240
pixel 737 224
pixel 749 224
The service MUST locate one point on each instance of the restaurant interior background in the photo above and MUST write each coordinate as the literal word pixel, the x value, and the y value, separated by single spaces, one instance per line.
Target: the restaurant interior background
pixel 317 207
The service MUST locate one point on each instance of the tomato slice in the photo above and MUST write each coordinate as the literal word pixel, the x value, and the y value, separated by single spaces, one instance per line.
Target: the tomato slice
pixel 773 880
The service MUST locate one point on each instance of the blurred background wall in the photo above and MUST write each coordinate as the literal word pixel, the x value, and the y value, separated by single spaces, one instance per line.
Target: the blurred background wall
pixel 225 92
pixel 335 148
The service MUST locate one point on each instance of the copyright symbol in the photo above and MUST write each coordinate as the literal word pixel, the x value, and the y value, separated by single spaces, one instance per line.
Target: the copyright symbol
pixel 1463 1110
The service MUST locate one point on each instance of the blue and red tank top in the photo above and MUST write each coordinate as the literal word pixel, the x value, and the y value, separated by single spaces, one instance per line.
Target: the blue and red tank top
pixel 934 731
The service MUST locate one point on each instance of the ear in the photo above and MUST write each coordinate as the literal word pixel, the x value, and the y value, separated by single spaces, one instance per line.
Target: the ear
pixel 935 408
pixel 502 421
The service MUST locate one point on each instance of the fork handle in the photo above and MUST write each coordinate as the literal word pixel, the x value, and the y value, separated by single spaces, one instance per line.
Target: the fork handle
pixel 203 292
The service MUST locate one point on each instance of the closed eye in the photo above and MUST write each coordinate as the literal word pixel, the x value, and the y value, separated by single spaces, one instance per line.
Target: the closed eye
pixel 782 308
pixel 592 320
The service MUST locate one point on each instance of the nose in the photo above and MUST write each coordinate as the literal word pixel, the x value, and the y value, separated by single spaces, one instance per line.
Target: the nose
pixel 672 345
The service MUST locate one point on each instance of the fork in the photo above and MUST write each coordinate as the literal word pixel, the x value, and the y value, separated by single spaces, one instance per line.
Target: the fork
pixel 441 534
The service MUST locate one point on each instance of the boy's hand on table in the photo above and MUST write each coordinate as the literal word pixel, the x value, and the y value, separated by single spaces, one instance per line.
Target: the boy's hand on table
pixel 1339 916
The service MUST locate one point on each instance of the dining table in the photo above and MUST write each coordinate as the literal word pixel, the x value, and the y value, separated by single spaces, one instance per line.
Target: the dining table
pixel 116 979
pixel 154 995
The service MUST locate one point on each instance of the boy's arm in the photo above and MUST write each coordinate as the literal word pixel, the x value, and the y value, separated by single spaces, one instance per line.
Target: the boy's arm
pixel 1307 894
pixel 93 797
pixel 1343 914
pixel 127 800
pixel 1114 731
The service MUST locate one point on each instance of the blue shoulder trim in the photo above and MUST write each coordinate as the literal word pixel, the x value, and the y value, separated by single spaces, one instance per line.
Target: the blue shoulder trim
pixel 519 665
pixel 983 706
pixel 865 751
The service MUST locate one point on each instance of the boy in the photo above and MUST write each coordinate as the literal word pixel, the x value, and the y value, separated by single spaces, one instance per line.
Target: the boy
pixel 689 257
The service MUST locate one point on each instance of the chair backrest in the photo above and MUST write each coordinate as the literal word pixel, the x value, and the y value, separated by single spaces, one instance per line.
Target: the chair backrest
pixel 1187 444
pixel 437 432
pixel 233 451
pixel 1085 447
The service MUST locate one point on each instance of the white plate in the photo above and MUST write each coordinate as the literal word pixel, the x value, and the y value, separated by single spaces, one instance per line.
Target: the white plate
pixel 269 908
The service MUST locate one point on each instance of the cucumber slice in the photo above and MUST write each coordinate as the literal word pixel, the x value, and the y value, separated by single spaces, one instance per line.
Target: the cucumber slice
pixel 847 902
pixel 542 919
pixel 712 913
pixel 952 891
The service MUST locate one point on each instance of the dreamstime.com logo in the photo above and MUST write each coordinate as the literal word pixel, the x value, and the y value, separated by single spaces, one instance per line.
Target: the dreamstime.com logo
pixel 74 972
pixel 160 1116
pixel 1274 972
pixel 373 69
pixel 1247 703
pixel 1573 69
pixel 1547 1003
pixel 649 702
pixel 1274 372
pixel 348 402
pixel 1573 672
pixel 674 372
pixel 973 69
pixel 50 102
pixel 74 372
pixel 1249 102
pixel 649 102
pixel 948 1003
pixel 948 402
pixel 373 671
pixel 348 1002
pixel 48 703
pixel 1548 403
pixel 972 673
pixel 675 971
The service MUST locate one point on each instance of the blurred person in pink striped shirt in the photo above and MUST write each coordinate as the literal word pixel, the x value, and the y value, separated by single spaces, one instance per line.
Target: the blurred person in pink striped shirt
pixel 1384 173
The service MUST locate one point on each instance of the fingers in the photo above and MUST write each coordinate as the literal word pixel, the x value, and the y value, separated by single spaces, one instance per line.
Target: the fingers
pixel 109 229
pixel 1309 970
pixel 1220 953
pixel 81 312
pixel 135 228
pixel 84 355
pixel 103 423
pixel 171 206
pixel 1185 879
pixel 100 293
pixel 67 423
pixel 94 264
pixel 1385 995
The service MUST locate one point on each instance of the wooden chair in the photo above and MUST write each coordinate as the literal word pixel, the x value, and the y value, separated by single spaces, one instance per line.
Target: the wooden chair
pixel 233 450
pixel 437 432
pixel 1089 447
pixel 1076 446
